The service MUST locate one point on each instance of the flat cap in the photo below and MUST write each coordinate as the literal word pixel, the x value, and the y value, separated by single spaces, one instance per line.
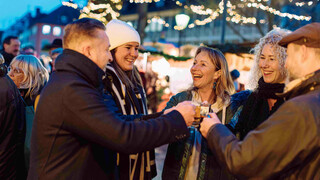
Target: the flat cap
pixel 309 35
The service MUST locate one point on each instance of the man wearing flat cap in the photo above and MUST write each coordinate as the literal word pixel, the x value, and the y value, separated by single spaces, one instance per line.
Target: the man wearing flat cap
pixel 287 145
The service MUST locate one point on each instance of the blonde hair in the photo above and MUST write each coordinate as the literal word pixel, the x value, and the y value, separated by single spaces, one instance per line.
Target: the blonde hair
pixel 272 38
pixel 35 74
pixel 224 87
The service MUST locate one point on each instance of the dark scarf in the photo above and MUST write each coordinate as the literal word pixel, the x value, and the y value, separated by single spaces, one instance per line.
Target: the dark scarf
pixel 256 109
pixel 27 99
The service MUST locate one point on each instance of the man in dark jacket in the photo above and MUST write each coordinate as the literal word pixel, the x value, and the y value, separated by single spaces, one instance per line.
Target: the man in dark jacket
pixel 73 125
pixel 12 128
pixel 287 145
pixel 10 48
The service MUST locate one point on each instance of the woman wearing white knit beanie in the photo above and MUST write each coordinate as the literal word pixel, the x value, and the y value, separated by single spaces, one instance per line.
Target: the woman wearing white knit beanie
pixel 124 83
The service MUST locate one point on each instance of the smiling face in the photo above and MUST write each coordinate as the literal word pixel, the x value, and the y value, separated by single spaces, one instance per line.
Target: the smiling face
pixel 203 71
pixel 126 55
pixel 269 66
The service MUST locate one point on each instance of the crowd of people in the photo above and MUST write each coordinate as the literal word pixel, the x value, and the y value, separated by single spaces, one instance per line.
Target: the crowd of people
pixel 87 117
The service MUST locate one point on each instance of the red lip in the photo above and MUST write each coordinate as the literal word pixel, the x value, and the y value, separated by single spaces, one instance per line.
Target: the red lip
pixel 267 74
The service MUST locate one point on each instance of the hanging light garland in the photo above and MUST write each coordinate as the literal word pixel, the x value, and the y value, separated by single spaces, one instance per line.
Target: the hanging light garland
pixel 75 6
pixel 200 10
pixel 87 11
pixel 159 20
pixel 300 4
pixel 143 1
pixel 235 17
pixel 254 0
pixel 106 9
pixel 278 13
pixel 115 1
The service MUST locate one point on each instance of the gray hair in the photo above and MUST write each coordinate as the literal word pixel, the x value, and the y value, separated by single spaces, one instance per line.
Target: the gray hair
pixel 272 38
pixel 35 74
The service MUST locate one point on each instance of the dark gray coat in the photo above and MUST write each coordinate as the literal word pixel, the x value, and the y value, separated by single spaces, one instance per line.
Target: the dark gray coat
pixel 285 146
pixel 12 131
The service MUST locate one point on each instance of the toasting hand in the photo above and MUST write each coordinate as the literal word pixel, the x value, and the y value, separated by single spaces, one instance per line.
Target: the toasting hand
pixel 187 110
pixel 207 123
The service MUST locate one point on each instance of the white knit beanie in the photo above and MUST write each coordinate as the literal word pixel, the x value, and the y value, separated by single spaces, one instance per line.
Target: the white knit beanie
pixel 120 33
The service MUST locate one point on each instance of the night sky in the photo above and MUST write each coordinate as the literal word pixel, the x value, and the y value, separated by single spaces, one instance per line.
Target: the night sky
pixel 14 9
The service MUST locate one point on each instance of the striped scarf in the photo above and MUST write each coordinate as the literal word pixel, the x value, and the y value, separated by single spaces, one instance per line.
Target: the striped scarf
pixel 138 166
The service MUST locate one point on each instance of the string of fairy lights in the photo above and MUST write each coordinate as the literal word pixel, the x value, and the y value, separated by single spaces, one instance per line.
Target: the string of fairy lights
pixel 88 10
pixel 236 17
pixel 277 12
pixel 143 1
pixel 211 14
pixel 300 4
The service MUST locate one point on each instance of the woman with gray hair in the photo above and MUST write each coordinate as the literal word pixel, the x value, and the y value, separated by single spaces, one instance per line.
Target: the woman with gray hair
pixel 30 76
pixel 268 76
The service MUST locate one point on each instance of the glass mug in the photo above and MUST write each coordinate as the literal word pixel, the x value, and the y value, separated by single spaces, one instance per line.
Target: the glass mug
pixel 201 111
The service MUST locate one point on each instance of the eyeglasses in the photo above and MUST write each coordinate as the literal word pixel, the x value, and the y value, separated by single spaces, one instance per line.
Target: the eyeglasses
pixel 15 70
pixel 1 59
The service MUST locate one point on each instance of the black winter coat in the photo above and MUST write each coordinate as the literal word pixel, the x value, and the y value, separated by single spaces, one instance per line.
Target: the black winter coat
pixel 74 125
pixel 12 131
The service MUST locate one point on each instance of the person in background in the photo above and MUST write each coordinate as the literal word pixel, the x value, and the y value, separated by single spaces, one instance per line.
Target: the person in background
pixel 268 76
pixel 29 50
pixel 10 48
pixel 54 54
pixel 235 74
pixel 76 131
pixel 12 128
pixel 166 94
pixel 287 144
pixel 56 43
pixel 151 84
pixel 124 83
pixel 30 76
pixel 190 158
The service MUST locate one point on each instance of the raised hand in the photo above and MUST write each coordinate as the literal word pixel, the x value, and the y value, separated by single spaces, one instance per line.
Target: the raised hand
pixel 207 123
pixel 187 110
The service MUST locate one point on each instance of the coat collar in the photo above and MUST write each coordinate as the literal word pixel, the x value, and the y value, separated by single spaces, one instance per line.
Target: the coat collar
pixel 302 85
pixel 76 62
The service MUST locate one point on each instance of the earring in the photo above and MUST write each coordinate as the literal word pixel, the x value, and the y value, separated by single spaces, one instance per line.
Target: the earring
pixel 214 85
